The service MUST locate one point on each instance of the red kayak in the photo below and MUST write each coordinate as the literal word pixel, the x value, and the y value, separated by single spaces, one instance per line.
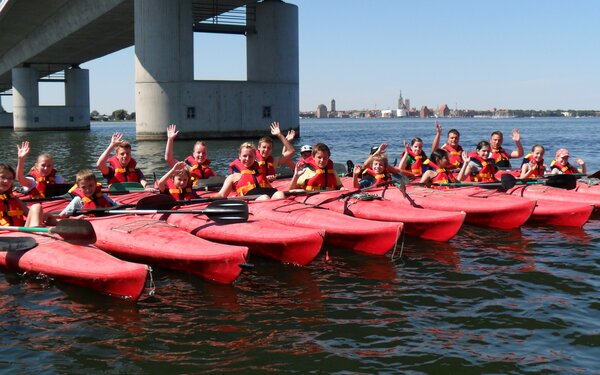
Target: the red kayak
pixel 555 194
pixel 364 236
pixel 75 264
pixel 504 214
pixel 142 238
pixel 418 222
pixel 545 211
pixel 586 188
pixel 264 238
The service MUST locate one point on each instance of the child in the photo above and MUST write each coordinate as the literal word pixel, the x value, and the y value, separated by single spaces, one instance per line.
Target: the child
pixel 198 161
pixel 413 157
pixel 40 175
pixel 561 165
pixel 533 163
pixel 316 172
pixel 122 167
pixel 177 182
pixel 372 176
pixel 245 176
pixel 266 162
pixel 439 161
pixel 478 167
pixel 13 212
pixel 87 194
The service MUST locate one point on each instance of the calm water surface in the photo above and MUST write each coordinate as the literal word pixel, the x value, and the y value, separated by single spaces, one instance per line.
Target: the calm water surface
pixel 488 301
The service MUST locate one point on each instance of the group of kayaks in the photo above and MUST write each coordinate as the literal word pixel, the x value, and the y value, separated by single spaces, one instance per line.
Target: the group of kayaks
pixel 182 237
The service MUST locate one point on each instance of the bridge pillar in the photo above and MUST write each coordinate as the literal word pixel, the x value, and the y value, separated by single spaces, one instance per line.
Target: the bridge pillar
pixel 25 98
pixel 29 115
pixel 164 48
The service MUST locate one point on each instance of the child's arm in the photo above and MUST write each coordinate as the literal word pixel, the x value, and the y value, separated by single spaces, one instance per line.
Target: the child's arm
pixel 22 152
pixel 227 186
pixel 163 180
pixel 288 149
pixel 298 171
pixel 290 164
pixel 171 134
pixel 101 163
pixel 355 173
pixel 465 170
pixel 516 136
pixel 438 134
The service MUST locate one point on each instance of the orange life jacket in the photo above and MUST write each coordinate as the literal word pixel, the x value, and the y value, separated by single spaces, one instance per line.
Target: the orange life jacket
pixel 180 194
pixel 39 191
pixel 324 179
pixel 454 155
pixel 378 177
pixel 564 169
pixel 266 167
pixel 199 171
pixel 414 162
pixel 538 169
pixel 98 200
pixel 442 177
pixel 250 178
pixel 123 174
pixel 500 157
pixel 11 210
pixel 487 169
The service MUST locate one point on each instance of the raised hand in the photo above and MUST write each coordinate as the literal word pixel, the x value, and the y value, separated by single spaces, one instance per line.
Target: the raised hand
pixel 23 150
pixel 172 131
pixel 300 168
pixel 381 149
pixel 516 136
pixel 116 139
pixel 357 169
pixel 290 135
pixel 465 157
pixel 438 127
pixel 275 128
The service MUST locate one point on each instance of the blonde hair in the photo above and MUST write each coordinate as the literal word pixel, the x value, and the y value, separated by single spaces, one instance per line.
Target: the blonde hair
pixel 265 139
pixel 85 174
pixel 247 145
pixel 125 145
pixel 200 143
pixel 382 159
pixel 39 159
pixel 183 172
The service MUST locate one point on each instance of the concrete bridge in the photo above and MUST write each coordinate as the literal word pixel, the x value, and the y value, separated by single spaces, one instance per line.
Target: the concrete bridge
pixel 48 40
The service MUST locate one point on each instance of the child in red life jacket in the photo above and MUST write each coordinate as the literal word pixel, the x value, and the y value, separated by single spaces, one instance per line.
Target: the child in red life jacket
pixel 40 175
pixel 478 166
pixel 533 163
pixel 198 162
pixel 245 176
pixel 87 194
pixel 413 157
pixel 177 182
pixel 121 167
pixel 560 165
pixel 377 174
pixel 13 212
pixel 316 172
pixel 438 161
pixel 267 163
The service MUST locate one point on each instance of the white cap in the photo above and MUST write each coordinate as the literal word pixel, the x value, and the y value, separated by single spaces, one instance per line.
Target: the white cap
pixel 306 148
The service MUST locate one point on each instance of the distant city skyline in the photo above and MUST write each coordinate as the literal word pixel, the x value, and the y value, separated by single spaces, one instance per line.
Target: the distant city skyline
pixel 513 54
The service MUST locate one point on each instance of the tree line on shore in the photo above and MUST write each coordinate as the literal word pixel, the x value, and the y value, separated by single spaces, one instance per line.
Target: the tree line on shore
pixel 117 115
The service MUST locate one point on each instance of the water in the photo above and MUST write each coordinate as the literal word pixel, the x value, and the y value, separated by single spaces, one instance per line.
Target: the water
pixel 488 301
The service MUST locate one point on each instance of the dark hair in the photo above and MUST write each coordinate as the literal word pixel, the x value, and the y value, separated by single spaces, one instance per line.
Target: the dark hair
pixel 6 167
pixel 415 139
pixel 454 131
pixel 481 144
pixel 497 132
pixel 321 147
pixel 537 145
pixel 438 154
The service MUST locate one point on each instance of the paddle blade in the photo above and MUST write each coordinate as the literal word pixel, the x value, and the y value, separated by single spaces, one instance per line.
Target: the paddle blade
pixel 156 202
pixel 80 232
pixel 227 211
pixel 562 181
pixel 211 183
pixel 54 190
pixel 508 181
pixel 17 243
pixel 125 186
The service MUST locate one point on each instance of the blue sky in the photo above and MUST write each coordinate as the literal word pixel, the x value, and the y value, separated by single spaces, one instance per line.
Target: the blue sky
pixel 520 54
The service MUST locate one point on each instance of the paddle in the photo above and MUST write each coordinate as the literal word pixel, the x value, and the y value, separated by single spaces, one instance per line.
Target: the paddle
pixel 595 174
pixel 562 181
pixel 221 211
pixel 17 243
pixel 71 230
pixel 507 181
pixel 209 183
pixel 125 186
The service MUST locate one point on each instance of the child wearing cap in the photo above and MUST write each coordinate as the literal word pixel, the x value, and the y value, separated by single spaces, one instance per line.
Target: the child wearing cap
pixel 561 165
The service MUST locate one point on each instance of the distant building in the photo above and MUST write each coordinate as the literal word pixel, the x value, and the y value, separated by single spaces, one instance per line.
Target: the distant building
pixel 443 111
pixel 321 111
pixel 424 112
pixel 332 105
pixel 388 113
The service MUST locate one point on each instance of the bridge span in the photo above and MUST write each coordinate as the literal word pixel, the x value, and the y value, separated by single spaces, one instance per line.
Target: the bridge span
pixel 40 38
